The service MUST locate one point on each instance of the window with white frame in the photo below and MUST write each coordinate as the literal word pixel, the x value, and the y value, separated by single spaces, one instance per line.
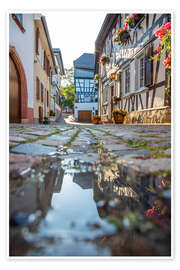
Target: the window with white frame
pixel 127 80
pixel 105 93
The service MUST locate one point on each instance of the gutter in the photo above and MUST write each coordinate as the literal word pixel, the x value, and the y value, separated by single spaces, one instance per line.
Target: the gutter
pixel 43 19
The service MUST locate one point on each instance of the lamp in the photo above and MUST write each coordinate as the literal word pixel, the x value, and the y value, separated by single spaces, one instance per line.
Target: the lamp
pixel 113 76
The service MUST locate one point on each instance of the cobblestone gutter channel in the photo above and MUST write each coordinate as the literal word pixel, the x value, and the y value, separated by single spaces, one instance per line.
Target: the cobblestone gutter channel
pixel 91 192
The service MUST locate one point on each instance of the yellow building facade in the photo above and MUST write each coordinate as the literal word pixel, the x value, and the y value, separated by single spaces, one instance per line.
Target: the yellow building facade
pixel 44 68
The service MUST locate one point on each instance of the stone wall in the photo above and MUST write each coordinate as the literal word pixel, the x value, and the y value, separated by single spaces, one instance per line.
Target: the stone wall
pixel 149 116
pixel 105 119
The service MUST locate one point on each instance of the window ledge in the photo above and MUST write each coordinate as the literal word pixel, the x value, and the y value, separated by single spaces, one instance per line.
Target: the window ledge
pixel 136 92
pixel 18 23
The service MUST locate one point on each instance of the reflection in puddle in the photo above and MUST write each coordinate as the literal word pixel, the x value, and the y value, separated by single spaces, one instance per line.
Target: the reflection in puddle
pixel 69 210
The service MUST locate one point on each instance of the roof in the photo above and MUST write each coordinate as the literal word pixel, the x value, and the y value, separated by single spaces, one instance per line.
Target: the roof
pixel 83 73
pixel 106 27
pixel 86 61
pixel 58 51
pixel 43 19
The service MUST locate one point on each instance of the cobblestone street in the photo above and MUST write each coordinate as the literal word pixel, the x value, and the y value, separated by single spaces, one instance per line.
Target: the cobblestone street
pixel 113 176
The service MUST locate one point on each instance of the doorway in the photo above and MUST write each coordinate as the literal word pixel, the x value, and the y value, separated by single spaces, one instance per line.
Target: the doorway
pixel 14 93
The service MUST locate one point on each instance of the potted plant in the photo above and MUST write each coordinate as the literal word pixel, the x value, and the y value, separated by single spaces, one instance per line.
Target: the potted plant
pixel 122 36
pixel 46 120
pixel 52 116
pixel 104 59
pixel 133 19
pixel 118 115
pixel 96 119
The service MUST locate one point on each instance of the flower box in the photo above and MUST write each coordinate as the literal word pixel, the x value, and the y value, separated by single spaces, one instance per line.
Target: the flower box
pixel 118 119
pixel 96 119
pixel 133 19
pixel 118 115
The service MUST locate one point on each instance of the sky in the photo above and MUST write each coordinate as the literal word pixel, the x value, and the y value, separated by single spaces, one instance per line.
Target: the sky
pixel 74 32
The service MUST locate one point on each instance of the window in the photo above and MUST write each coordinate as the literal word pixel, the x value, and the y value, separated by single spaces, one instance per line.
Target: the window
pixel 41 57
pixel 37 88
pixel 141 71
pixel 148 66
pixel 127 80
pixel 105 93
pixel 86 83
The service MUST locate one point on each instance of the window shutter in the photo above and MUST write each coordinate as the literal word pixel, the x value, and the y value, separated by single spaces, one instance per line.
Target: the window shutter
pixel 42 92
pixel 44 60
pixel 47 98
pixel 37 41
pixel 148 64
pixel 37 88
pixel 47 70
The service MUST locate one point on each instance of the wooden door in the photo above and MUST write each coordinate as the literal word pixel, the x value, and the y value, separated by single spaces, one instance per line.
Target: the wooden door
pixel 84 116
pixel 40 114
pixel 14 94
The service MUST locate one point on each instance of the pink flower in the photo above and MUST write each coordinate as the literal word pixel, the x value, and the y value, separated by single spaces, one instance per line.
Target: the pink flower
pixel 134 15
pixel 158 48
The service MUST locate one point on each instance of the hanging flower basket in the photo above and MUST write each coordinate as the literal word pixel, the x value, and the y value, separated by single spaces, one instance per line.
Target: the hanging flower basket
pixel 122 36
pixel 96 77
pixel 104 59
pixel 133 19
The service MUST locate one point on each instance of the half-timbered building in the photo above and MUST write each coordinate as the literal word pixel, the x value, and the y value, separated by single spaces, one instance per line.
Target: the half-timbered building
pixel 130 79
pixel 86 96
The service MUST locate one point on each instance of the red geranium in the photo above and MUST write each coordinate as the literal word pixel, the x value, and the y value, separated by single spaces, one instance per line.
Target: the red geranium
pixel 163 30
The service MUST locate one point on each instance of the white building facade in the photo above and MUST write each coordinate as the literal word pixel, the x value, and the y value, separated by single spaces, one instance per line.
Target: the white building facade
pixel 21 65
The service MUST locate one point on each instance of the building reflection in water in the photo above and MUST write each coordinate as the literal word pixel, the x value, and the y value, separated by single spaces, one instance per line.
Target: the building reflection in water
pixel 110 187
pixel 30 202
pixel 141 214
pixel 113 196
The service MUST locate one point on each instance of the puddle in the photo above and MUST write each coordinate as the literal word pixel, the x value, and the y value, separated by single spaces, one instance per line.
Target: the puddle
pixel 73 204
pixel 66 208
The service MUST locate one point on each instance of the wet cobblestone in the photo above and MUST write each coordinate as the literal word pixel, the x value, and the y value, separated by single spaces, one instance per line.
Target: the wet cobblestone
pixel 111 177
